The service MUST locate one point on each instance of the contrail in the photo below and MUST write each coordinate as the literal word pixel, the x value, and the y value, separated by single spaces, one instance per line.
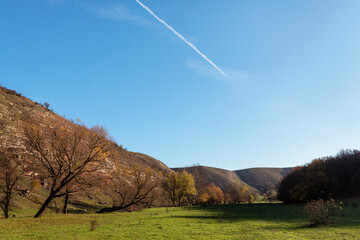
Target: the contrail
pixel 181 37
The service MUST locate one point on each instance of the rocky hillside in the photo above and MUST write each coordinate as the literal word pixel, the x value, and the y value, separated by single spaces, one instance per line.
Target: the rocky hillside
pixel 15 109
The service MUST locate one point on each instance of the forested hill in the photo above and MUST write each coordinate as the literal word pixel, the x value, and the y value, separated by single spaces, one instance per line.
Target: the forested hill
pixel 335 176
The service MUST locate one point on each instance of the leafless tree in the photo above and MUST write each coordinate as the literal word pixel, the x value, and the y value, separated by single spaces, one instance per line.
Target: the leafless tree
pixel 199 174
pixel 10 175
pixel 130 187
pixel 62 154
pixel 237 193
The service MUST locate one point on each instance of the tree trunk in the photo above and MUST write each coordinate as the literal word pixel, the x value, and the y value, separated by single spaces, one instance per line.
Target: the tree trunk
pixel 66 202
pixel 173 201
pixel 5 208
pixel 44 206
pixel 6 212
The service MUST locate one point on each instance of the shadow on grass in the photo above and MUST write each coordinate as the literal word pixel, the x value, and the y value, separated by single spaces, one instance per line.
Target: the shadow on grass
pixel 276 213
pixel 78 207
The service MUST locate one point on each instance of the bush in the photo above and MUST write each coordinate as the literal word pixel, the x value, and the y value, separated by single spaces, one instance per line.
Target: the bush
pixel 320 211
pixel 93 224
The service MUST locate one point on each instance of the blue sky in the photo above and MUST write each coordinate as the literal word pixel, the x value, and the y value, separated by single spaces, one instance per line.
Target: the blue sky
pixel 292 93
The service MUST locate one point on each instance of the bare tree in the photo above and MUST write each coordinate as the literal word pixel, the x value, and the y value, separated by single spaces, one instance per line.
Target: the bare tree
pixel 131 187
pixel 199 174
pixel 9 176
pixel 64 153
pixel 237 193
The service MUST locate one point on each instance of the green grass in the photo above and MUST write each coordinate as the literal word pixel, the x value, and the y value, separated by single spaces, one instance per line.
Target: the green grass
pixel 257 221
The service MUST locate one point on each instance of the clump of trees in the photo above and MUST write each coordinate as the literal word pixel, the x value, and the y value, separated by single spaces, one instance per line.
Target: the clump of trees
pixel 330 177
pixel 211 194
pixel 192 188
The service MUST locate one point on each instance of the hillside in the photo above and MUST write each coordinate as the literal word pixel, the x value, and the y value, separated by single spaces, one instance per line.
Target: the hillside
pixel 220 177
pixel 260 180
pixel 15 109
pixel 263 179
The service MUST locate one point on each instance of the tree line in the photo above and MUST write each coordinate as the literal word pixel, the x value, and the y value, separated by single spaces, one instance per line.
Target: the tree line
pixel 324 178
pixel 69 159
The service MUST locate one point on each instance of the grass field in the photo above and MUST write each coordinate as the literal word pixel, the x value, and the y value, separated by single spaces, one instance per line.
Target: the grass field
pixel 257 221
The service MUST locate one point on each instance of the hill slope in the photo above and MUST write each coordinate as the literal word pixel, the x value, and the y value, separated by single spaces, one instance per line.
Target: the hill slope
pixel 263 179
pixel 260 180
pixel 16 109
pixel 220 177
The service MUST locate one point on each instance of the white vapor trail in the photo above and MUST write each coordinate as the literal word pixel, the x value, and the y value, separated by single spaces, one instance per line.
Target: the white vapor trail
pixel 181 37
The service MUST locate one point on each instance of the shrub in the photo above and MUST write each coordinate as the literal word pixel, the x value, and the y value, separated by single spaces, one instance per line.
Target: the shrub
pixel 320 211
pixel 251 199
pixel 93 224
pixel 11 92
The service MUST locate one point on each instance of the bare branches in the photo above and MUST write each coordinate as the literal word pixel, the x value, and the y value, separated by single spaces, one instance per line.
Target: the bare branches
pixel 10 175
pixel 63 154
pixel 131 186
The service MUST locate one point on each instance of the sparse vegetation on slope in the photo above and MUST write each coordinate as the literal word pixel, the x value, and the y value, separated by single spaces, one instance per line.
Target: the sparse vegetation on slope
pixel 15 110
pixel 43 139
pixel 266 180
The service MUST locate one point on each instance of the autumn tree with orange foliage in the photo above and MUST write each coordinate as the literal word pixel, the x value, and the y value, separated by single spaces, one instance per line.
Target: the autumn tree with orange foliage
pixel 211 195
pixel 61 155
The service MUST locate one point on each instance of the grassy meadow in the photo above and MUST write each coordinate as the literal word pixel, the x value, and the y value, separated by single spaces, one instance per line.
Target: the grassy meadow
pixel 256 221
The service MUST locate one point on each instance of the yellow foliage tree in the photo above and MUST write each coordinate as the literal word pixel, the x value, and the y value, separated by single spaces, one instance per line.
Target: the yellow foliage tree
pixel 179 186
